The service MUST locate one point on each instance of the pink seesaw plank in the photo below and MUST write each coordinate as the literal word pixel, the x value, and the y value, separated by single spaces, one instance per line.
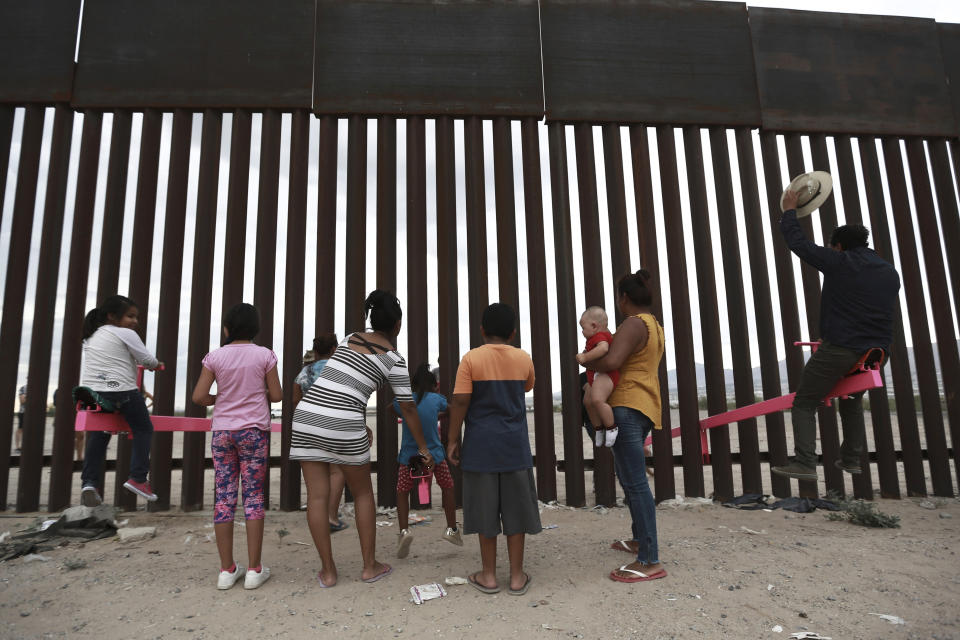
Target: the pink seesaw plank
pixel 114 422
pixel 863 381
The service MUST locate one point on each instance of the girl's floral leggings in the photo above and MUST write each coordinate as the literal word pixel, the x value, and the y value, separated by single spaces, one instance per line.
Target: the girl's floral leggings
pixel 237 455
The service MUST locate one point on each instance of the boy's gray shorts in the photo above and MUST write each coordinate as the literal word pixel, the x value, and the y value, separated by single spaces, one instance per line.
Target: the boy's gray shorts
pixel 494 499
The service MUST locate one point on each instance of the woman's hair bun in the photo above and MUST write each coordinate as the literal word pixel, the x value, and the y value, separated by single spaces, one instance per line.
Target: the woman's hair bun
pixel 634 286
pixel 383 310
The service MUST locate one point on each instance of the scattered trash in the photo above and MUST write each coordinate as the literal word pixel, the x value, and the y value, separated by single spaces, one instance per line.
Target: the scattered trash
pixel 455 580
pixel 602 510
pixel 551 526
pixel 553 504
pixel 414 519
pixel 35 557
pixel 187 539
pixel 758 501
pixel 809 635
pixel 303 544
pixel 4 536
pixel 671 599
pixel 769 587
pixel 889 618
pixel 125 522
pixel 423 592
pixel 384 523
pixel 752 532
pixel 686 503
pixel 805 505
pixel 749 502
pixel 135 534
pixel 777 629
pixel 74 524
pixel 926 504
pixel 943 514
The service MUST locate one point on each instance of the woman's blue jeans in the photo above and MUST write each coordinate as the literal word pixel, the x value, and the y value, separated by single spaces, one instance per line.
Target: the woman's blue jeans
pixel 631 466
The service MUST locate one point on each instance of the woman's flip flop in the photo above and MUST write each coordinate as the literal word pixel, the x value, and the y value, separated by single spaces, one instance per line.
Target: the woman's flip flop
pixel 322 584
pixel 382 574
pixel 640 575
pixel 621 545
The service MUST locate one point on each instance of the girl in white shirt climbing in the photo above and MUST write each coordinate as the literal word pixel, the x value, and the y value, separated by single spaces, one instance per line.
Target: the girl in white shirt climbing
pixel 112 349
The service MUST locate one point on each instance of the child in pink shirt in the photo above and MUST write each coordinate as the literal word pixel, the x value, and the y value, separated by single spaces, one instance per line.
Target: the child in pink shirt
pixel 247 381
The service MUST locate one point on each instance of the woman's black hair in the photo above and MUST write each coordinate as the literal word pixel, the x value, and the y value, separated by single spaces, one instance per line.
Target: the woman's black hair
pixel 422 382
pixel 636 287
pixel 115 306
pixel 242 322
pixel 383 309
pixel 324 344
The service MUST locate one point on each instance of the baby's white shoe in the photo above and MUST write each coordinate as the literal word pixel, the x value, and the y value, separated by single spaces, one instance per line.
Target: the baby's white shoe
pixel 610 436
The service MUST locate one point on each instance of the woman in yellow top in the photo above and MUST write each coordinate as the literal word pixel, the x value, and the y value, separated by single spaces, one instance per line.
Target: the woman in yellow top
pixel 636 351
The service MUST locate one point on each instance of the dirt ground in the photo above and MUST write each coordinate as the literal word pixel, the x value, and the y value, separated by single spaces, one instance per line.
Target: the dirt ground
pixel 801 572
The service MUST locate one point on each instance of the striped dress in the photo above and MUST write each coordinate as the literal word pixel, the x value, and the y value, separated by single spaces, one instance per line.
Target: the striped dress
pixel 329 424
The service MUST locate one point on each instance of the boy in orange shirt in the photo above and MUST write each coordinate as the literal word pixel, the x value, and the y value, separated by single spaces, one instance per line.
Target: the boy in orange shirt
pixel 499 493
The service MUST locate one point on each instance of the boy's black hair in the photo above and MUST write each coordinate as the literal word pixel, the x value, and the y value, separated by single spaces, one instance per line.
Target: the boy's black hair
pixel 115 306
pixel 635 286
pixel 499 320
pixel 242 322
pixel 850 236
pixel 383 309
pixel 324 344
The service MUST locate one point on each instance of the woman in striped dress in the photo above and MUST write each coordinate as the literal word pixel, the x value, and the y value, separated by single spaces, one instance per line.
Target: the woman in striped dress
pixel 330 427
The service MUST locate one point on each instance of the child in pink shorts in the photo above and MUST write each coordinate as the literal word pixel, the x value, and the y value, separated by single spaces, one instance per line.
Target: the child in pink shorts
pixel 430 405
pixel 247 382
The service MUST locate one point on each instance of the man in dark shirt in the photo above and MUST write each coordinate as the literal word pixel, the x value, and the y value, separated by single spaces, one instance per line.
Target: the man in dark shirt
pixel 857 310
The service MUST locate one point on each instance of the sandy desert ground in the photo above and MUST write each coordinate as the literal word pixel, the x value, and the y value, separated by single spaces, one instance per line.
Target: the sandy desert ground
pixel 796 572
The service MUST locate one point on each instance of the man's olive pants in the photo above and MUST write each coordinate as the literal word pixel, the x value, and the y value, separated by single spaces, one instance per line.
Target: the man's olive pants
pixel 823 370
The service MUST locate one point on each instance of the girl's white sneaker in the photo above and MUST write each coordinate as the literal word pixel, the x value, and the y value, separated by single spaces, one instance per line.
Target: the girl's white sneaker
pixel 227 579
pixel 255 579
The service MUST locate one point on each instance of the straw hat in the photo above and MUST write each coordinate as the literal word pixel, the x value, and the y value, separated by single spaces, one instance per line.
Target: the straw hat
pixel 812 188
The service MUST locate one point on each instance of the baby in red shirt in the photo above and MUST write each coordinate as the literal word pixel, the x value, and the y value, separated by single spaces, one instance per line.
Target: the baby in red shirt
pixel 600 385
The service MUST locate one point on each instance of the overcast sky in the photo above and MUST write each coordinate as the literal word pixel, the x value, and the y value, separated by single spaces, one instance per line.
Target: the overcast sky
pixel 944 11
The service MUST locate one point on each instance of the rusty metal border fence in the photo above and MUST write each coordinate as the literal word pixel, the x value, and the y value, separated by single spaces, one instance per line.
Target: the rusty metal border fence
pixel 896 164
